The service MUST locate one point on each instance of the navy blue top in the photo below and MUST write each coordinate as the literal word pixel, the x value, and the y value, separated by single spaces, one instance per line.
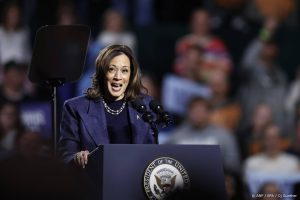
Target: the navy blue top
pixel 118 126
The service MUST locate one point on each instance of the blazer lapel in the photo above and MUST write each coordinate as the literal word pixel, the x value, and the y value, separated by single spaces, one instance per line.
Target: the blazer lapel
pixel 96 122
pixel 138 126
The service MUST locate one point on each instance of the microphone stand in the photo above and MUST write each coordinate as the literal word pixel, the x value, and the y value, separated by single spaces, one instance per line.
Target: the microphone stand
pixel 155 131
pixel 148 117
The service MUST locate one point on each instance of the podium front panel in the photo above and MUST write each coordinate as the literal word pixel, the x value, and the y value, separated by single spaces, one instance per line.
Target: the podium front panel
pixel 124 168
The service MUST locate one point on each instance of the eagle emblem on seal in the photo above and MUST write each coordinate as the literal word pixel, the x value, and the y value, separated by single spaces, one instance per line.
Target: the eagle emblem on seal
pixel 163 176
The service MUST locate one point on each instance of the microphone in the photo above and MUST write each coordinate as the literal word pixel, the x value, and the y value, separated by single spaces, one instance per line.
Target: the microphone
pixel 139 105
pixel 159 110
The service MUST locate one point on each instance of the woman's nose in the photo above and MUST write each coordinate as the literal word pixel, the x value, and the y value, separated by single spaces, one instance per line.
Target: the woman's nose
pixel 117 75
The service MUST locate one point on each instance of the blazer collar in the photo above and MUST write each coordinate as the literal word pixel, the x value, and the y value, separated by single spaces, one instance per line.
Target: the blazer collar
pixel 96 122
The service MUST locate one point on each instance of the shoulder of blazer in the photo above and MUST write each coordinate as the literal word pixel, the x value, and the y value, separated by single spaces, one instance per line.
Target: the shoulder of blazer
pixel 78 103
pixel 76 100
pixel 146 98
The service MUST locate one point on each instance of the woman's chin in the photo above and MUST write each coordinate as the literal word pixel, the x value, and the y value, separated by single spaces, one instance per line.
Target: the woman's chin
pixel 116 95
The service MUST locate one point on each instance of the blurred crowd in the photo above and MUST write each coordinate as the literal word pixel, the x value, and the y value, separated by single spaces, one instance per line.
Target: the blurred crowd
pixel 231 90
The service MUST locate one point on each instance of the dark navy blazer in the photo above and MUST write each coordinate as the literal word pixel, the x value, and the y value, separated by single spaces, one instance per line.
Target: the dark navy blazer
pixel 83 126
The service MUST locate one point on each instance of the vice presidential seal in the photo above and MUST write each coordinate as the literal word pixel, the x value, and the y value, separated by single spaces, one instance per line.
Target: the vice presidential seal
pixel 163 176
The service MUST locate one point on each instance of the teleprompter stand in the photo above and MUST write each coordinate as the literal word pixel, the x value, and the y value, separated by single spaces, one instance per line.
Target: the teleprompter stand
pixel 58 57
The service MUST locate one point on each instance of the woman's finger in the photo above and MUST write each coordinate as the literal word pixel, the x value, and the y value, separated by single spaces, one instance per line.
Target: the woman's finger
pixel 82 159
pixel 86 153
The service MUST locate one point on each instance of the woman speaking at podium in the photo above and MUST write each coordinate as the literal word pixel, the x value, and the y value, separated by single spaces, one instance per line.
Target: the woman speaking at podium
pixel 105 113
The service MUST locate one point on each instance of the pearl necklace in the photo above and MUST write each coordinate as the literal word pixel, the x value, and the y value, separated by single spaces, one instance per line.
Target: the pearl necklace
pixel 111 111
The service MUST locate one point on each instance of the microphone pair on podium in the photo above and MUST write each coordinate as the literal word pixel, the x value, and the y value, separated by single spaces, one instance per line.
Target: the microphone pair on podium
pixel 162 117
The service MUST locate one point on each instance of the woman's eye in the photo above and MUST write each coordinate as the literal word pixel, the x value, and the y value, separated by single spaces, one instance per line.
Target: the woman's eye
pixel 111 69
pixel 125 70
